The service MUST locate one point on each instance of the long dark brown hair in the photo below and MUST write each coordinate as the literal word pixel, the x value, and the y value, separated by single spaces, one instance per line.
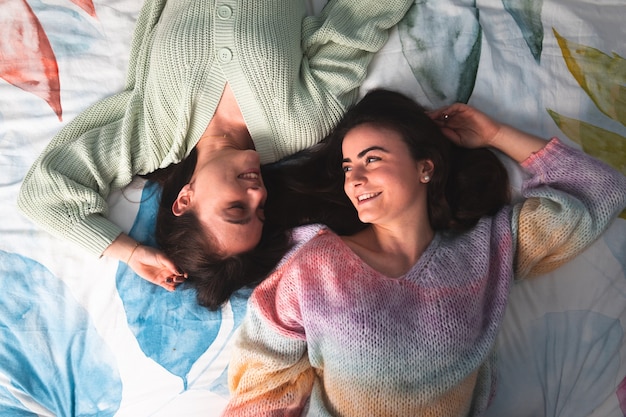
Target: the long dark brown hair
pixel 466 185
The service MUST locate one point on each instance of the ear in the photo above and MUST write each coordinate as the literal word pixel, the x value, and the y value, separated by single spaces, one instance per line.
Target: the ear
pixel 425 168
pixel 183 201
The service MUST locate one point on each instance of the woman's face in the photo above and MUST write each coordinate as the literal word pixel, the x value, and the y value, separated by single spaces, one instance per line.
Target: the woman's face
pixel 383 181
pixel 227 194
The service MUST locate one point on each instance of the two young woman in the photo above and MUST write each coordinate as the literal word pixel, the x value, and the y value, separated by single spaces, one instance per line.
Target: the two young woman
pixel 400 317
pixel 224 86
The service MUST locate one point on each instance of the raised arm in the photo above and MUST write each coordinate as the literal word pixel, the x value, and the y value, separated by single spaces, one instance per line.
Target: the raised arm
pixel 65 190
pixel 570 197
pixel 341 41
pixel 470 128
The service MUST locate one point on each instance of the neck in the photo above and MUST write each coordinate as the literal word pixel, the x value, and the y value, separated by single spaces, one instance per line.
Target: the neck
pixel 227 128
pixel 405 242
pixel 391 250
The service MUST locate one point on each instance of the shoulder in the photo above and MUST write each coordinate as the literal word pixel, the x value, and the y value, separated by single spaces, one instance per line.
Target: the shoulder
pixel 314 240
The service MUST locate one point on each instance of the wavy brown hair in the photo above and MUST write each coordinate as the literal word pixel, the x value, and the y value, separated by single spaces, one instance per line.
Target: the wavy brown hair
pixel 466 185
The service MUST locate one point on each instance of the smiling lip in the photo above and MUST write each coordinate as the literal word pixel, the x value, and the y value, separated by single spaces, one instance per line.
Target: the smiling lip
pixel 366 197
pixel 252 177
pixel 249 175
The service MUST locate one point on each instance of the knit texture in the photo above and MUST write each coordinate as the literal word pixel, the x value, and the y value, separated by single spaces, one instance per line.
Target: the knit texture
pixel 293 78
pixel 328 329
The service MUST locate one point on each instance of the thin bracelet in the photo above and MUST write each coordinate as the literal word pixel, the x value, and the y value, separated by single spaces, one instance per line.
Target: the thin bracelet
pixel 137 244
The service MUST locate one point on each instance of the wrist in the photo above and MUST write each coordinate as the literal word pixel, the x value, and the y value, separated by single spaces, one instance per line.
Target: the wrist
pixel 516 144
pixel 132 252
pixel 122 248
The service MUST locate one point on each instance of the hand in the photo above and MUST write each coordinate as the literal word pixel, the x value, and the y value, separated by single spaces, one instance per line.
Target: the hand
pixel 466 126
pixel 152 265
pixel 470 128
pixel 149 263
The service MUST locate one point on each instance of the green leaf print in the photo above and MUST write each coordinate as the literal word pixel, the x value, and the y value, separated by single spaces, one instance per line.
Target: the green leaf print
pixel 441 41
pixel 596 141
pixel 603 78
pixel 527 15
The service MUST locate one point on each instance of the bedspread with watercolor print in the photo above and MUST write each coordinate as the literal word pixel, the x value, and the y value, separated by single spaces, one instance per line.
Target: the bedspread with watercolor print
pixel 81 336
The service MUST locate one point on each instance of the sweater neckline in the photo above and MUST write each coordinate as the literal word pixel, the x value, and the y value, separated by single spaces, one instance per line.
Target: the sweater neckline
pixel 413 271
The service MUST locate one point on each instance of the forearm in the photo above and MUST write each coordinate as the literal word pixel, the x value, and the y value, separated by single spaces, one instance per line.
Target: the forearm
pixel 122 248
pixel 516 144
pixel 65 190
pixel 340 43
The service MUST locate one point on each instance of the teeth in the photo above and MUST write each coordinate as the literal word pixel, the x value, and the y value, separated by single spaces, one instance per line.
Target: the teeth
pixel 249 175
pixel 363 197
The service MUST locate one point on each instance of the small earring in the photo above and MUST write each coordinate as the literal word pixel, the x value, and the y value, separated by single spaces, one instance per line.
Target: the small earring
pixel 426 178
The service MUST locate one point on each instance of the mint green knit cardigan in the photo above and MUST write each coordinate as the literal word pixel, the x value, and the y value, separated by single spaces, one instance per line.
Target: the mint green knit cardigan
pixel 293 76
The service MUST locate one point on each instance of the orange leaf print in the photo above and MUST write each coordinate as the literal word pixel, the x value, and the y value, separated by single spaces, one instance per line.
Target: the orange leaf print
pixel 86 5
pixel 26 57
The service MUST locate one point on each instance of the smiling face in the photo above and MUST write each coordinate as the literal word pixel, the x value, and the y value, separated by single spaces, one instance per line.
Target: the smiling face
pixel 383 181
pixel 227 194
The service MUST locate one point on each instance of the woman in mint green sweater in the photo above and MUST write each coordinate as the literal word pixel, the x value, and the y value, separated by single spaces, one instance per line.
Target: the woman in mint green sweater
pixel 233 84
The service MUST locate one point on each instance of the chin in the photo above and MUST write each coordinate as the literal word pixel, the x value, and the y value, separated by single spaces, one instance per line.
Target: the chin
pixel 367 219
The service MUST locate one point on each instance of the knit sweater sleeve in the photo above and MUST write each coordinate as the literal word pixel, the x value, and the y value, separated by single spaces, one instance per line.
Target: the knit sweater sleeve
pixel 100 150
pixel 570 200
pixel 269 373
pixel 340 43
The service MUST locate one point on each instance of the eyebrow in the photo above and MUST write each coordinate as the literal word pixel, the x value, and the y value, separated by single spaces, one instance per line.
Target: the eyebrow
pixel 366 150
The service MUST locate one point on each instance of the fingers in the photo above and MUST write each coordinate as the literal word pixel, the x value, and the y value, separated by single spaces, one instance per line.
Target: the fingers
pixel 172 276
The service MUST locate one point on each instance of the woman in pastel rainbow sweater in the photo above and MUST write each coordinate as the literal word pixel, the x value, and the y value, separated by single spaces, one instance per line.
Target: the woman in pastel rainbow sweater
pixel 400 318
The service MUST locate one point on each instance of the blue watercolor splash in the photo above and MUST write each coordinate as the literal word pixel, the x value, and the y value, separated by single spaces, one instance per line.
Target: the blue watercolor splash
pixel 171 328
pixel 615 238
pixel 50 349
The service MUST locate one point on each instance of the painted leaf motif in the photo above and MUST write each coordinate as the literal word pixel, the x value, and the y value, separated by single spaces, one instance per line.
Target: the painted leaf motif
pixel 57 361
pixel 27 60
pixel 441 41
pixel 86 5
pixel 172 328
pixel 527 15
pixel 596 141
pixel 558 364
pixel 602 76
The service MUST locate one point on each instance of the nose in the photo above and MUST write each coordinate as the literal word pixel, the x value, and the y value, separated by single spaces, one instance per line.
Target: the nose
pixel 257 194
pixel 355 177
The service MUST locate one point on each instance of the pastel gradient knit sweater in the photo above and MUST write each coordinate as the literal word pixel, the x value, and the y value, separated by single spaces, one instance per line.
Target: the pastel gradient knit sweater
pixel 328 334
pixel 293 78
